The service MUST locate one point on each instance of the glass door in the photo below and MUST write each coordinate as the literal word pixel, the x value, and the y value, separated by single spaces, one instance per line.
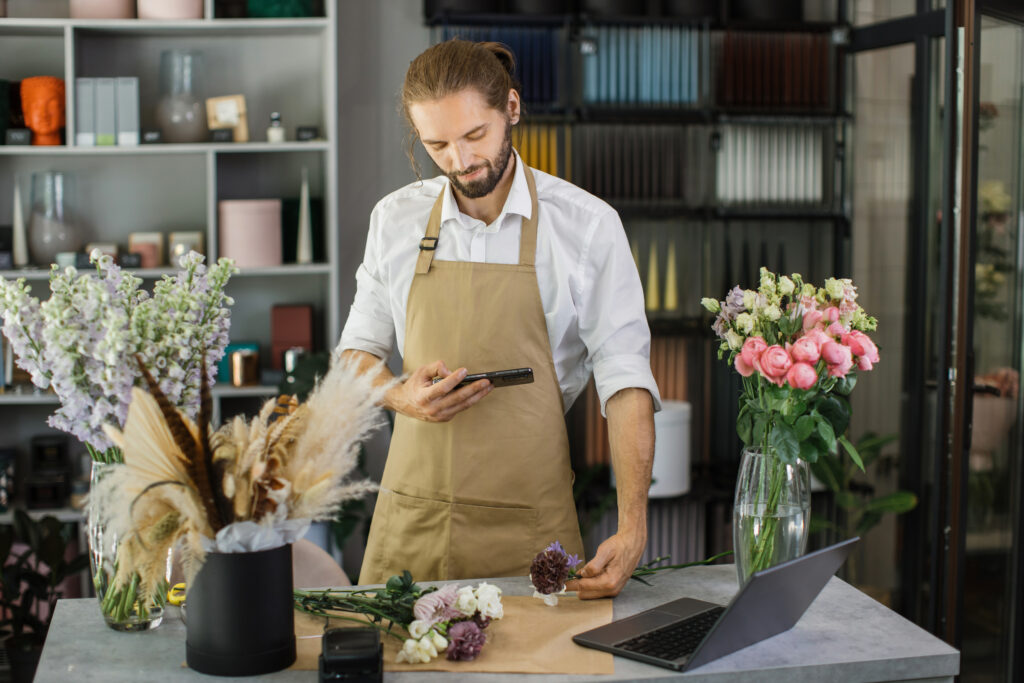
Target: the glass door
pixel 992 490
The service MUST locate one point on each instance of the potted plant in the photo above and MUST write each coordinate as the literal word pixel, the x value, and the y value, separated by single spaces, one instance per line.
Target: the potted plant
pixel 30 586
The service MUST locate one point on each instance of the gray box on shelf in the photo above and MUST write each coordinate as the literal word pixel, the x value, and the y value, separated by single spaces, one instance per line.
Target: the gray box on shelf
pixel 85 112
pixel 106 112
pixel 128 111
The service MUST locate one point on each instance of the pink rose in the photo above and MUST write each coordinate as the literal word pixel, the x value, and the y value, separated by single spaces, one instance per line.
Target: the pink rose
pixel 863 363
pixel 818 337
pixel 742 367
pixel 801 376
pixel 751 351
pixel 831 314
pixel 774 363
pixel 836 329
pixel 838 357
pixel 861 346
pixel 805 350
pixel 811 319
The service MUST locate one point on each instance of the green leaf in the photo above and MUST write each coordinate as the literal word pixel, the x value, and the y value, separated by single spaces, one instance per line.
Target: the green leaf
pixel 836 411
pixel 867 522
pixel 760 424
pixel 745 426
pixel 784 442
pixel 804 427
pixel 845 385
pixel 897 503
pixel 824 428
pixel 793 409
pixel 820 523
pixel 809 453
pixel 854 455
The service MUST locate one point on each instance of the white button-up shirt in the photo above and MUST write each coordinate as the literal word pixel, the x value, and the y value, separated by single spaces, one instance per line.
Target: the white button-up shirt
pixel 589 286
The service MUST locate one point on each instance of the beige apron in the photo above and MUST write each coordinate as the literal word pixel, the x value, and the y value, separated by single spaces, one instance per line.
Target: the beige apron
pixel 480 495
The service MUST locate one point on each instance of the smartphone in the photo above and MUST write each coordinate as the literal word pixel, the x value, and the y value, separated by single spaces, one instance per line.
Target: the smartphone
pixel 498 378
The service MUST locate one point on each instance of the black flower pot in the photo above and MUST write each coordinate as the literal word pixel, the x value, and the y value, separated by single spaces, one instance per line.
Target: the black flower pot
pixel 239 614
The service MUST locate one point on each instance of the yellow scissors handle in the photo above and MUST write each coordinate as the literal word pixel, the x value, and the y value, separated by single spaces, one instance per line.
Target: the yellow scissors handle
pixel 176 595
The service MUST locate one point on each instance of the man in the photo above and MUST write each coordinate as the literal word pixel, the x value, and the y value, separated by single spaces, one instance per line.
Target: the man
pixel 491 267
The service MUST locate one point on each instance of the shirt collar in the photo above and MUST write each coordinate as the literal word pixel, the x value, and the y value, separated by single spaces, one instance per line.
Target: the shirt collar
pixel 518 201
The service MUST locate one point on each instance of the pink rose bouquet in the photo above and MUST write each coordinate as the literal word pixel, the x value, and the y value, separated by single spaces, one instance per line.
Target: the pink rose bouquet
pixel 798 348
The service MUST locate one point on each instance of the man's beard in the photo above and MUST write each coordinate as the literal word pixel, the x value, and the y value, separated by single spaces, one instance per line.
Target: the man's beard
pixel 475 189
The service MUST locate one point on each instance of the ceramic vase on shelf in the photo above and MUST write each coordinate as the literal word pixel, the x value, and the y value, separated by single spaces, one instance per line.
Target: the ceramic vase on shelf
pixel 771 512
pixel 51 227
pixel 170 10
pixel 181 110
pixel 123 608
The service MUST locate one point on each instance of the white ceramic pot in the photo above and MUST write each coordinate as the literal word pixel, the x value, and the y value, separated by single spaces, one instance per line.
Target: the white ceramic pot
pixel 170 9
pixel 102 9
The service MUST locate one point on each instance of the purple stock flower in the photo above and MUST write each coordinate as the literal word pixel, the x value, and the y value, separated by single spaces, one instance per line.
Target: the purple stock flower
pixel 465 640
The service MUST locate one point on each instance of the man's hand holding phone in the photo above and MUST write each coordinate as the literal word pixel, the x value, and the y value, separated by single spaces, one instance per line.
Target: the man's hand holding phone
pixel 419 396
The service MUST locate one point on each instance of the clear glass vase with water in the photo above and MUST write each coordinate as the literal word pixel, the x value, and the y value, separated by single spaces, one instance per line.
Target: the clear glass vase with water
pixel 771 512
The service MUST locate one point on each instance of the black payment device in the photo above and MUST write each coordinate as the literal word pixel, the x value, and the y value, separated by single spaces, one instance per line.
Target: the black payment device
pixel 498 378
pixel 354 655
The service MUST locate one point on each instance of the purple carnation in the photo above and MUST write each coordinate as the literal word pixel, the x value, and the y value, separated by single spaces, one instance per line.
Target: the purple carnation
pixel 465 640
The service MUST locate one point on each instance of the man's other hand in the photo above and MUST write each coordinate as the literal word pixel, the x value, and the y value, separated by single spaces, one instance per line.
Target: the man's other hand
pixel 420 397
pixel 609 570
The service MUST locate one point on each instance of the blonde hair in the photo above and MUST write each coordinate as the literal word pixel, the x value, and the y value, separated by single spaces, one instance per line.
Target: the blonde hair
pixel 453 66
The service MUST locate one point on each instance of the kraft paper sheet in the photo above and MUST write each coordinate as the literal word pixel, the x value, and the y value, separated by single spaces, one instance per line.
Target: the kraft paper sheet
pixel 531 638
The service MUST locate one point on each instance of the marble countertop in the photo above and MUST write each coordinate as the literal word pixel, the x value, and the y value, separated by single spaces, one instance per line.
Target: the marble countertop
pixel 843 636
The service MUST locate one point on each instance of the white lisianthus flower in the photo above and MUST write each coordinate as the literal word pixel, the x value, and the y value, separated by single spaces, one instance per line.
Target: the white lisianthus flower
pixel 749 299
pixel 745 323
pixel 773 312
pixel 711 304
pixel 410 653
pixel 440 642
pixel 809 291
pixel 735 340
pixel 488 601
pixel 465 601
pixel 786 286
pixel 767 282
pixel 418 628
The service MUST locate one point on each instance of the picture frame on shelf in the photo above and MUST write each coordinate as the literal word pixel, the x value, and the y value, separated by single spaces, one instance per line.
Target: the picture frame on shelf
pixel 181 243
pixel 149 246
pixel 228 111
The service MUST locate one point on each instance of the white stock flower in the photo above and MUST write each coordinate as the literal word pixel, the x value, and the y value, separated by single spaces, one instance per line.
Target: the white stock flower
pixel 773 312
pixel 440 642
pixel 749 299
pixel 465 601
pixel 488 601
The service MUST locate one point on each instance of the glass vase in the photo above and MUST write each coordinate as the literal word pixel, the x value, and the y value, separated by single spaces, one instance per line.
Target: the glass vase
pixel 123 609
pixel 771 512
pixel 51 228
pixel 181 110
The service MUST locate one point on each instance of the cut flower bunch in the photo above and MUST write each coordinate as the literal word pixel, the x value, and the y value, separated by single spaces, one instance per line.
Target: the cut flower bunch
pixel 449 619
pixel 798 348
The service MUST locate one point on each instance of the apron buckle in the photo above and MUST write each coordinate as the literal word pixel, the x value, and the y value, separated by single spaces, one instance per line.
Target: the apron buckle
pixel 428 247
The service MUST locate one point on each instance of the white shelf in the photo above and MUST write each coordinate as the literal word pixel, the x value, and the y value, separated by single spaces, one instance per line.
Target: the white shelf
pixel 293 269
pixel 70 515
pixel 148 27
pixel 28 398
pixel 229 391
pixel 158 149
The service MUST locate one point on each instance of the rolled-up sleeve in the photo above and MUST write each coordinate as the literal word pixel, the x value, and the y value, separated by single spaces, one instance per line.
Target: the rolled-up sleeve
pixel 370 326
pixel 612 320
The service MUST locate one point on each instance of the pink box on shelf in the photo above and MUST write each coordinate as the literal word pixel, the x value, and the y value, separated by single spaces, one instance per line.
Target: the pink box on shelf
pixel 250 231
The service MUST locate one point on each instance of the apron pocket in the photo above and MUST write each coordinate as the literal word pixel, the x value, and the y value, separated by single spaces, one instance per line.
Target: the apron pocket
pixel 413 535
pixel 489 542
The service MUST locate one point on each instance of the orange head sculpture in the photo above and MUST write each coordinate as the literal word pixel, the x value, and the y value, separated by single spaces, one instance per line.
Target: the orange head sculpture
pixel 42 100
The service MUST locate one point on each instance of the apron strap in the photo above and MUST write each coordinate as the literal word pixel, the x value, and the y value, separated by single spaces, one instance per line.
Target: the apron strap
pixel 527 236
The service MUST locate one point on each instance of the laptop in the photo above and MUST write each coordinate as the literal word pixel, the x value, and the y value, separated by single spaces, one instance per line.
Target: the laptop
pixel 687 633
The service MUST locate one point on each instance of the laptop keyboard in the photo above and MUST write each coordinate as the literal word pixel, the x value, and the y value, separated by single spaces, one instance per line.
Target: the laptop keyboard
pixel 675 640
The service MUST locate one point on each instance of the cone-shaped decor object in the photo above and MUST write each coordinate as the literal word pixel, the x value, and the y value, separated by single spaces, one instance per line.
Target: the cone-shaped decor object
pixel 653 289
pixel 20 246
pixel 304 248
pixel 671 290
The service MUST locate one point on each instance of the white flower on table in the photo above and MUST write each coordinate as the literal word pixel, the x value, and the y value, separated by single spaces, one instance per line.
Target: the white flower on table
pixel 418 628
pixel 465 601
pixel 417 651
pixel 488 601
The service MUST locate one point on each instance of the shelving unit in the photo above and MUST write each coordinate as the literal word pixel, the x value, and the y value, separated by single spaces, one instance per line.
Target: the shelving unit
pixel 175 187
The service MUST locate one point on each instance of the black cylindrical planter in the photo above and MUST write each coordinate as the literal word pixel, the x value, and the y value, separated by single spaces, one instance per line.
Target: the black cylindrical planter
pixel 239 614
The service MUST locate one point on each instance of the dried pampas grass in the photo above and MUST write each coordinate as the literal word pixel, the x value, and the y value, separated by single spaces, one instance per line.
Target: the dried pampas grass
pixel 181 482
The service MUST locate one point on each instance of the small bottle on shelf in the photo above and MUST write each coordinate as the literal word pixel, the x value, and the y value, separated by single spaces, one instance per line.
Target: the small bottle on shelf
pixel 275 132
